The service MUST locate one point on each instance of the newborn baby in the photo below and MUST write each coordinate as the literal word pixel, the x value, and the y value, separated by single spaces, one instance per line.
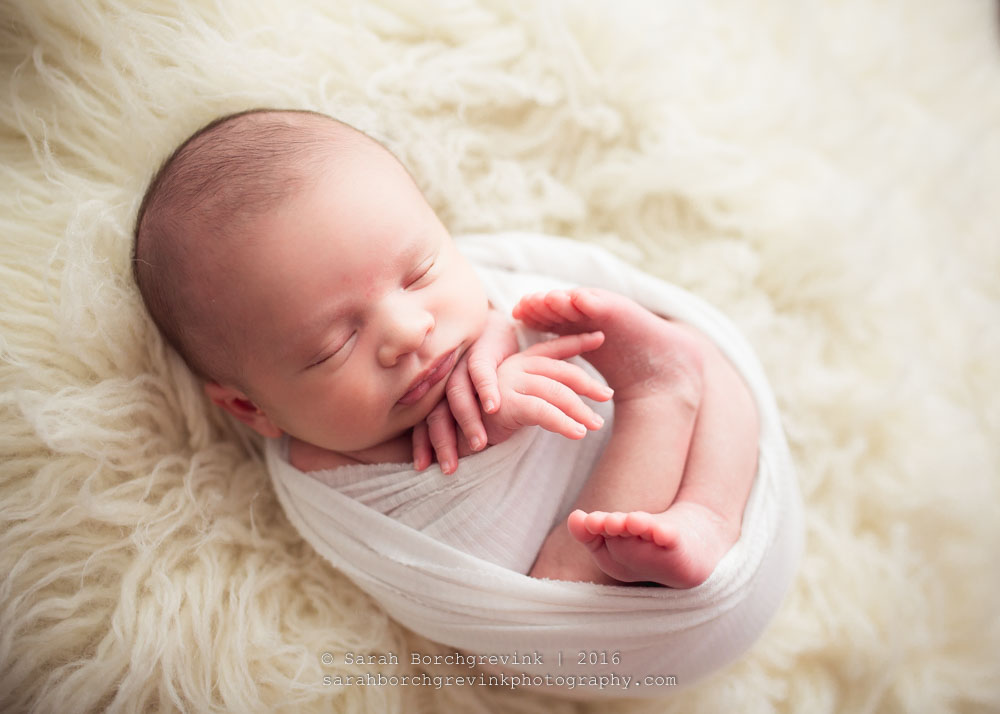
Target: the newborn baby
pixel 296 267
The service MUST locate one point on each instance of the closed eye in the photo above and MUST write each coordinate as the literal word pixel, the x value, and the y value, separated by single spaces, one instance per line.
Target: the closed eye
pixel 421 276
pixel 320 361
pixel 329 354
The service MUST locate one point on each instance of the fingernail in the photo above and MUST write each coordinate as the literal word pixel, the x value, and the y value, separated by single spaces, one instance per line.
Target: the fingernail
pixel 490 406
pixel 448 467
pixel 599 420
pixel 609 391
pixel 476 443
pixel 580 429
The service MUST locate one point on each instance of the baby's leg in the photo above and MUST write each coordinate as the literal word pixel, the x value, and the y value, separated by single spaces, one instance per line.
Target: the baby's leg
pixel 681 411
pixel 654 366
pixel 681 546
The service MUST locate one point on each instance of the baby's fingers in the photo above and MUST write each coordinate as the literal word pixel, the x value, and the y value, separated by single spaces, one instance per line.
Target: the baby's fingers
pixel 497 343
pixel 535 411
pixel 483 373
pixel 464 407
pixel 555 407
pixel 442 436
pixel 567 346
pixel 422 455
pixel 573 376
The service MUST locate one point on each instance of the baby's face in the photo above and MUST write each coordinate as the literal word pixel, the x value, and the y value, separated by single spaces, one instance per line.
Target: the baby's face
pixel 355 306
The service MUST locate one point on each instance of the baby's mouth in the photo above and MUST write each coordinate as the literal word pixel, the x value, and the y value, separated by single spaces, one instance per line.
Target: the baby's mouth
pixel 432 376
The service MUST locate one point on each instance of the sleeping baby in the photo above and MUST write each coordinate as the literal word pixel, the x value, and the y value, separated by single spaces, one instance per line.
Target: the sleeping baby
pixel 293 263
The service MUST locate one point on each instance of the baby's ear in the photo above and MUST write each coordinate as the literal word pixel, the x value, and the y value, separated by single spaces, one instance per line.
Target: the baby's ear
pixel 240 406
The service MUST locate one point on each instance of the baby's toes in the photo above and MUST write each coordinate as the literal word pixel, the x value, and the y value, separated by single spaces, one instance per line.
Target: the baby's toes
pixel 560 303
pixel 590 303
pixel 595 522
pixel 639 523
pixel 614 524
pixel 543 306
pixel 577 524
pixel 532 311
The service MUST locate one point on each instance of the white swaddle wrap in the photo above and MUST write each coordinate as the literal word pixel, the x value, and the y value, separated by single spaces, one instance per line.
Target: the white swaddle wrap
pixel 446 555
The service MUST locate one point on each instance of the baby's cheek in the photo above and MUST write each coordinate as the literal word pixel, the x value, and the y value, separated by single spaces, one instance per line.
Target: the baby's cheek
pixel 477 306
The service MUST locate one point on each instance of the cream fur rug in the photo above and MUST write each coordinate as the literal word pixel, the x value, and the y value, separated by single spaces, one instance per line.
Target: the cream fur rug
pixel 825 172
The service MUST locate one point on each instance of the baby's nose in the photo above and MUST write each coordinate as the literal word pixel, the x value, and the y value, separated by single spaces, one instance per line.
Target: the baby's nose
pixel 405 329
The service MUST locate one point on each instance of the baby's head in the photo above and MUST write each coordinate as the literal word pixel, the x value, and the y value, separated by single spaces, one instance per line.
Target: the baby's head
pixel 296 267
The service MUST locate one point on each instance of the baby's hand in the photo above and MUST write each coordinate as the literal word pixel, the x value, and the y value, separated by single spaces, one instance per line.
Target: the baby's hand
pixel 473 381
pixel 477 377
pixel 539 388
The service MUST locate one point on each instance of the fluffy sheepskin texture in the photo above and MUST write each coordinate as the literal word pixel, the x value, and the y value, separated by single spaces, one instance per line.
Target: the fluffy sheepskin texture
pixel 826 172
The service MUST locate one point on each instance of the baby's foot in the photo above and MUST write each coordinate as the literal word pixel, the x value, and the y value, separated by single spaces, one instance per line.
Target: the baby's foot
pixel 642 354
pixel 678 548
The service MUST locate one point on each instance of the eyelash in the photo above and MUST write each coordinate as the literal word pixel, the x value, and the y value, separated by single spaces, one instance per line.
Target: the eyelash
pixel 332 353
pixel 423 274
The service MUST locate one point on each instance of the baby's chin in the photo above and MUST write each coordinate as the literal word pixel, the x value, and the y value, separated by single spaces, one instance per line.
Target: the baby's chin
pixel 416 414
pixel 418 417
pixel 397 429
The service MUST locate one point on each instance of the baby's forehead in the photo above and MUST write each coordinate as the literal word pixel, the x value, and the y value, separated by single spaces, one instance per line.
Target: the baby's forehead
pixel 321 167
